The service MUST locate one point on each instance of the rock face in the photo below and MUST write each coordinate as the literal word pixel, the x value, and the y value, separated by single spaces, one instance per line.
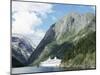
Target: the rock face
pixel 73 22
pixel 63 40
pixel 21 50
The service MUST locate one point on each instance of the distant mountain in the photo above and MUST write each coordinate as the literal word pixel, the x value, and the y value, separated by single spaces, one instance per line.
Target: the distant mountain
pixel 21 50
pixel 72 39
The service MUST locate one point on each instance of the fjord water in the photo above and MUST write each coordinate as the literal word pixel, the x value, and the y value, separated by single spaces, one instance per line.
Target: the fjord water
pixel 49 65
pixel 35 69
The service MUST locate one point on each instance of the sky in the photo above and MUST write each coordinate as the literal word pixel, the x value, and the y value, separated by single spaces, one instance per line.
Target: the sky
pixel 33 19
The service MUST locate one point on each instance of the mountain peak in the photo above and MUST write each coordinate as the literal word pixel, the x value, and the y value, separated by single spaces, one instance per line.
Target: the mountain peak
pixel 64 33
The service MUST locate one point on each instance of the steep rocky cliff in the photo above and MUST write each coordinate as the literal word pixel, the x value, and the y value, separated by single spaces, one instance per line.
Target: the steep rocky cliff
pixel 72 39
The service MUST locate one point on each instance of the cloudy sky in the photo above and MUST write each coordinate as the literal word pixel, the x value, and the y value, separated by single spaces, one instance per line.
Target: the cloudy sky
pixel 34 19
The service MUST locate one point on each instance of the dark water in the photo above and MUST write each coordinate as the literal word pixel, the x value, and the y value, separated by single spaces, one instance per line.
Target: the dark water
pixel 35 69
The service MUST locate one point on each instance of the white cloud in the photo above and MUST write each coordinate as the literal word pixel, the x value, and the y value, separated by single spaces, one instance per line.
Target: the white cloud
pixel 27 16
pixel 24 22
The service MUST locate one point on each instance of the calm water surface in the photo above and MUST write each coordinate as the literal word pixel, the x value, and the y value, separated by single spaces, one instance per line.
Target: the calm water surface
pixel 35 69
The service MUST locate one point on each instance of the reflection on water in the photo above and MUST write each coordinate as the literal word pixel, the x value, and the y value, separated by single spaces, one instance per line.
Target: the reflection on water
pixel 49 65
